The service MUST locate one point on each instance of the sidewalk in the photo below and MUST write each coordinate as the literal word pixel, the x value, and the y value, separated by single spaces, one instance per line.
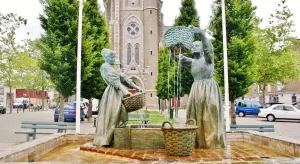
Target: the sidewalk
pixel 11 123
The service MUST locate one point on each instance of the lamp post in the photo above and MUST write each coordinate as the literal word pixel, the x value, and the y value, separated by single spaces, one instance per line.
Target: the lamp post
pixel 225 68
pixel 78 79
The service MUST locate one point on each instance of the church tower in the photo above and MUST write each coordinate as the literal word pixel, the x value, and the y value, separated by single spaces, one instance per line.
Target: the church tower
pixel 136 29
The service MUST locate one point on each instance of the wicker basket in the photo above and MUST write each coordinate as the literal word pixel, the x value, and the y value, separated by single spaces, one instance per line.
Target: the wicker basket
pixel 180 141
pixel 135 102
pixel 179 36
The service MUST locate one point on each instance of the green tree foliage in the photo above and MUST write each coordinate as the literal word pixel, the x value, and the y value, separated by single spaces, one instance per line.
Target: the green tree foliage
pixel 240 22
pixel 165 85
pixel 188 16
pixel 60 23
pixel 276 58
pixel 95 38
pixel 35 78
pixel 10 52
pixel 162 79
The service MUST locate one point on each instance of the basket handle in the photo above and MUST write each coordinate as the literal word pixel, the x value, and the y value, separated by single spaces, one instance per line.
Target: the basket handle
pixel 163 124
pixel 123 124
pixel 190 120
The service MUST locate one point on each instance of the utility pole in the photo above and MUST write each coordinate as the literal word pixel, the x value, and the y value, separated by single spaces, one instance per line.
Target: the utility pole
pixel 225 68
pixel 78 80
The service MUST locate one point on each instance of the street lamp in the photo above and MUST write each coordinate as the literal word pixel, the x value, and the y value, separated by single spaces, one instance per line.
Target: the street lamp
pixel 78 79
pixel 225 68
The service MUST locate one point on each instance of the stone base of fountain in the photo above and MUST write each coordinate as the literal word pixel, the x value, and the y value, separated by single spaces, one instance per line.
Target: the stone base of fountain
pixel 243 147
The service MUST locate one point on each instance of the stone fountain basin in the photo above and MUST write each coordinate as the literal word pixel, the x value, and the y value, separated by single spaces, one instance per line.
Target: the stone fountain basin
pixel 41 149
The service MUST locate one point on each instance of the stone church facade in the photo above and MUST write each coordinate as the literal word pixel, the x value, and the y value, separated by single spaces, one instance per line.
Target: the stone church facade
pixel 136 29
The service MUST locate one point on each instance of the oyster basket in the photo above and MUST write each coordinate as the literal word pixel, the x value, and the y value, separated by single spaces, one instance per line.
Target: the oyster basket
pixel 134 102
pixel 180 141
pixel 179 36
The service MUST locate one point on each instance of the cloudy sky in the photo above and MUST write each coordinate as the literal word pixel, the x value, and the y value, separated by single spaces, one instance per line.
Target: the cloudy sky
pixel 30 9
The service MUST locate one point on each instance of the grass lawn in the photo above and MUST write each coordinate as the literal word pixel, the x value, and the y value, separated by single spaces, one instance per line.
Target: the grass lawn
pixel 154 118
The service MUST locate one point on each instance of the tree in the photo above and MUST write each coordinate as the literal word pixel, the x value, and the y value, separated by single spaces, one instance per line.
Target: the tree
pixel 240 22
pixel 164 86
pixel 95 38
pixel 59 43
pixel 188 16
pixel 10 51
pixel 34 78
pixel 276 58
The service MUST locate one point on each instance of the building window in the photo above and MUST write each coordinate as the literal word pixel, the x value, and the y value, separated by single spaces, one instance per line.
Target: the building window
pixel 150 11
pixel 133 29
pixel 128 53
pixel 274 98
pixel 151 73
pixel 294 98
pixel 137 53
pixel 151 52
pixel 151 94
pixel 150 31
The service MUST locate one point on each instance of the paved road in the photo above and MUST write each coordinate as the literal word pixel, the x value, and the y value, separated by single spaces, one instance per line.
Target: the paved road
pixel 10 123
pixel 285 128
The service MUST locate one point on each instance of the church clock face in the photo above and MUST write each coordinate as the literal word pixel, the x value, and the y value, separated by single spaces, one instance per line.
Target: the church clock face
pixel 133 30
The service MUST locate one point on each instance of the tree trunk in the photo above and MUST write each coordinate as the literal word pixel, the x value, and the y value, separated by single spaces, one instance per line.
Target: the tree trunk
pixel 263 94
pixel 232 113
pixel 43 96
pixel 90 110
pixel 61 111
pixel 159 105
pixel 10 101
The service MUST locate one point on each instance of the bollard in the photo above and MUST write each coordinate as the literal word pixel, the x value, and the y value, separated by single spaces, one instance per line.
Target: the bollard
pixel 95 122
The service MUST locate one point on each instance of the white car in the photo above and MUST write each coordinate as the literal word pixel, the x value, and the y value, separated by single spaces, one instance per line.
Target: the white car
pixel 280 111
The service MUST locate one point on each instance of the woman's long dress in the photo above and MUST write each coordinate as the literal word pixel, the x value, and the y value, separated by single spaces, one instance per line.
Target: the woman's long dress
pixel 111 110
pixel 204 105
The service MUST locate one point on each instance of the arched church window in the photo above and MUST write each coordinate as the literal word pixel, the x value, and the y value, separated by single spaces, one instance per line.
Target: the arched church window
pixel 128 53
pixel 137 53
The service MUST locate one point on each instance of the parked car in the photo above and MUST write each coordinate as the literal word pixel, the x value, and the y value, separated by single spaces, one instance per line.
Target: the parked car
pixel 19 102
pixel 296 104
pixel 84 106
pixel 2 108
pixel 267 105
pixel 280 111
pixel 247 107
pixel 95 107
pixel 69 113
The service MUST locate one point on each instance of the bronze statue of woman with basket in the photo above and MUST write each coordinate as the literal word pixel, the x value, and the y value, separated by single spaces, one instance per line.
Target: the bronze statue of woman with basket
pixel 112 109
pixel 204 102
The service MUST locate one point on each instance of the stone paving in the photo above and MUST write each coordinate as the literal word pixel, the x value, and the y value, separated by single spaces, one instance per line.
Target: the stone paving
pixel 237 152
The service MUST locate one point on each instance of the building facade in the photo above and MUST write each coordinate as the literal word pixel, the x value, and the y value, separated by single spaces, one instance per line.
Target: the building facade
pixel 136 29
pixel 288 93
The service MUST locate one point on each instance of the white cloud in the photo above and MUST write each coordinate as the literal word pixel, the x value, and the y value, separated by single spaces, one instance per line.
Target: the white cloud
pixel 30 9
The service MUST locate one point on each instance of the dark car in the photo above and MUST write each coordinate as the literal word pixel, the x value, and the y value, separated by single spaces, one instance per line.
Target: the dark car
pixel 69 113
pixel 2 110
pixel 267 105
pixel 297 105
